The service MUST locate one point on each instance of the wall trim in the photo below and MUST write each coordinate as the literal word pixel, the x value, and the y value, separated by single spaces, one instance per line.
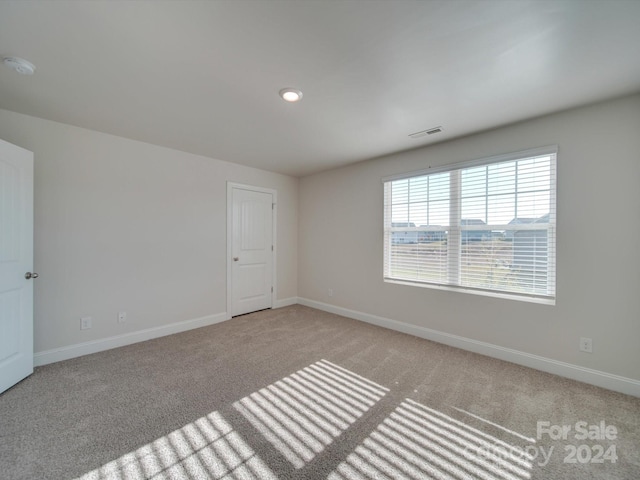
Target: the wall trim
pixel 285 302
pixel 563 369
pixel 598 378
pixel 94 346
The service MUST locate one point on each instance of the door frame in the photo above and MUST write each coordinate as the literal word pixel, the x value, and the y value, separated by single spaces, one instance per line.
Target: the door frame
pixel 274 236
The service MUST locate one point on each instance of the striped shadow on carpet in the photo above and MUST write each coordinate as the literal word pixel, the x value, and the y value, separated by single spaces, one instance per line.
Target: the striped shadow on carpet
pixel 302 414
pixel 300 394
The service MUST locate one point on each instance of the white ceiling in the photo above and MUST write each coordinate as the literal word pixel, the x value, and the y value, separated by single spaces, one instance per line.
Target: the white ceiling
pixel 204 76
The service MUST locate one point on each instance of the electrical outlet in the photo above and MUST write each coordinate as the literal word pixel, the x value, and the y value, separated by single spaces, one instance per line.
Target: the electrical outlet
pixel 331 292
pixel 85 323
pixel 122 317
pixel 586 345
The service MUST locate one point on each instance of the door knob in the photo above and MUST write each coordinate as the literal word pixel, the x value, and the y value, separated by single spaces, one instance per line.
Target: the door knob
pixel 30 275
pixel 235 259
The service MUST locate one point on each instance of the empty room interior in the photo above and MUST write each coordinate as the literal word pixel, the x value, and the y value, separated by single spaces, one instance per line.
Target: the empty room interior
pixel 350 239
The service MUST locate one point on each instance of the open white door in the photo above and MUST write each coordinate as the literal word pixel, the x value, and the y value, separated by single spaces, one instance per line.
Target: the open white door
pixel 16 263
pixel 251 250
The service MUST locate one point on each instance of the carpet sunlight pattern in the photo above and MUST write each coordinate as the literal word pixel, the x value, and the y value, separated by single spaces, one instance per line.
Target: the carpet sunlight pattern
pixel 207 448
pixel 300 394
pixel 418 442
pixel 299 415
pixel 303 413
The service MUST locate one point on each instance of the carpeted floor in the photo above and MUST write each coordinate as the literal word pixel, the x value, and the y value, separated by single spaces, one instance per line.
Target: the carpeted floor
pixel 302 394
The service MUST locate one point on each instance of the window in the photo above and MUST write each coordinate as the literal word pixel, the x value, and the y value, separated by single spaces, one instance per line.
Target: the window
pixel 486 226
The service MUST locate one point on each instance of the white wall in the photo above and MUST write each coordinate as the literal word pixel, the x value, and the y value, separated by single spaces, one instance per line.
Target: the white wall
pixel 598 249
pixel 124 225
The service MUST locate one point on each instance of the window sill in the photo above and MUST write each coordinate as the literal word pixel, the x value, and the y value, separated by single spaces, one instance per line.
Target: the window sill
pixel 485 293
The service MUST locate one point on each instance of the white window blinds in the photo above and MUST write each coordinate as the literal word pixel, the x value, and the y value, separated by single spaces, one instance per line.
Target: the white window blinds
pixel 487 225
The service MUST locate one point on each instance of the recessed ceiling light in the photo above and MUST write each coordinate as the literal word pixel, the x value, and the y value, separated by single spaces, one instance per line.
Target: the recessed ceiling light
pixel 20 65
pixel 290 94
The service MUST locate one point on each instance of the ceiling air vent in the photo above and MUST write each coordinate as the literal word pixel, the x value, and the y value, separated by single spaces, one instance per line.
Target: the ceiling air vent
pixel 423 133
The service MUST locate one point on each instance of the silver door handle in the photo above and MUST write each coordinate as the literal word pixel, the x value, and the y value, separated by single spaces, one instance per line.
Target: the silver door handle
pixel 30 275
pixel 235 259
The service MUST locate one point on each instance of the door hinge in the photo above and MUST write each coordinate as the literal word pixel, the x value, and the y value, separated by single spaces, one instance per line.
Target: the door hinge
pixel 272 248
pixel 271 289
pixel 273 206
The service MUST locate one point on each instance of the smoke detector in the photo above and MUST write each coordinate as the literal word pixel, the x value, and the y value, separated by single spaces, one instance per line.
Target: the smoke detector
pixel 20 65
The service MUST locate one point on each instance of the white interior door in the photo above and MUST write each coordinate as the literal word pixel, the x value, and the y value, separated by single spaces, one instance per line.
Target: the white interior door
pixel 251 251
pixel 16 263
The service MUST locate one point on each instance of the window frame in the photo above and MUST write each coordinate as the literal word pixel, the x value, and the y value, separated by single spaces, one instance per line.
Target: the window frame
pixel 453 264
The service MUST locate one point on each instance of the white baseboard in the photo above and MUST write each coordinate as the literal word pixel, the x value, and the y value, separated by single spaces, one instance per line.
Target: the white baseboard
pixel 94 346
pixel 563 369
pixel 285 302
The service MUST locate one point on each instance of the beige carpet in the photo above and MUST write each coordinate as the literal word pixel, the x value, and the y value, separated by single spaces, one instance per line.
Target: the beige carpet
pixel 302 394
